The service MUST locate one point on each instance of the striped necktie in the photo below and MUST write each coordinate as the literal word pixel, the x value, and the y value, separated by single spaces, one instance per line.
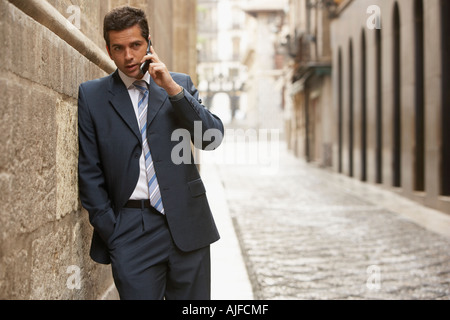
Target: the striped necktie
pixel 153 186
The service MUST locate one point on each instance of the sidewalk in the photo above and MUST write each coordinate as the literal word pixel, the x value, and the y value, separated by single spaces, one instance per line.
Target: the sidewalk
pixel 229 275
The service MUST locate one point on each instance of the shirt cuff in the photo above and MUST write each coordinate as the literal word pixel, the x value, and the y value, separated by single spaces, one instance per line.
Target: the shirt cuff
pixel 177 97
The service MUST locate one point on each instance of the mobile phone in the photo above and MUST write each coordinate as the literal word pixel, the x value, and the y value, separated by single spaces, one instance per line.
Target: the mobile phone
pixel 145 65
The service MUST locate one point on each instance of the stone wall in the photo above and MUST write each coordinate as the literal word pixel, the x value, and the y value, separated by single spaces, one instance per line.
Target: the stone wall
pixel 44 232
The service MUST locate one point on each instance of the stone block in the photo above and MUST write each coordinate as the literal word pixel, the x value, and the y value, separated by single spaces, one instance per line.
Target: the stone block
pixel 14 273
pixel 66 157
pixel 49 264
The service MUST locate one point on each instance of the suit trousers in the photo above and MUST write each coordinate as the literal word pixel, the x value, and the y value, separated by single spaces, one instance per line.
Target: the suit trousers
pixel 147 265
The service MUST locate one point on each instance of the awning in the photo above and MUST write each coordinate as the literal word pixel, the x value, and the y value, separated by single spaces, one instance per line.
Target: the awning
pixel 303 73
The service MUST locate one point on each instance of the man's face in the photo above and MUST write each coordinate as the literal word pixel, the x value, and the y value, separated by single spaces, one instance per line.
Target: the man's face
pixel 127 48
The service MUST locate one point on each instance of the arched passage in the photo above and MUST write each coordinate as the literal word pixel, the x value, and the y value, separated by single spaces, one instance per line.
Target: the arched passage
pixel 396 117
pixel 350 109
pixel 379 108
pixel 340 110
pixel 445 127
pixel 363 108
pixel 221 106
pixel 419 149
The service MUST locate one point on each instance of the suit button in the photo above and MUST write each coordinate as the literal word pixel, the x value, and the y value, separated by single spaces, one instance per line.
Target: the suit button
pixel 136 155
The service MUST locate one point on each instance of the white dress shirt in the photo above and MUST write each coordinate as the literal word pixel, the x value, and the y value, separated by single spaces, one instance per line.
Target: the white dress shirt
pixel 141 190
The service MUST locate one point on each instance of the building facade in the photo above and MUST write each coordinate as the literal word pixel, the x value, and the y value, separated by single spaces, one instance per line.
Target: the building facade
pixel 385 118
pixel 392 96
pixel 309 84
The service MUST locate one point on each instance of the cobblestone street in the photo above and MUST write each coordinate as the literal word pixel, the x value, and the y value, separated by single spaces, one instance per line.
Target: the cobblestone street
pixel 307 233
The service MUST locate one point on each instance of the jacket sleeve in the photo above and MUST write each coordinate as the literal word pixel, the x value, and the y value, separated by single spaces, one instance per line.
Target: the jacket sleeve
pixel 197 119
pixel 93 195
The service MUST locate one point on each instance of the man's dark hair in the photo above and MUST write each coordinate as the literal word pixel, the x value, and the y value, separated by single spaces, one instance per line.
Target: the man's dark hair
pixel 123 18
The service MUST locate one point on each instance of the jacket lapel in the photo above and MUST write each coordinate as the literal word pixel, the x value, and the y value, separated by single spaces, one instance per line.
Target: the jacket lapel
pixel 157 98
pixel 120 100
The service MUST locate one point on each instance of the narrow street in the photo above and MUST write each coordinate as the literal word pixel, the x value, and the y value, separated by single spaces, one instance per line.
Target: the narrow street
pixel 307 233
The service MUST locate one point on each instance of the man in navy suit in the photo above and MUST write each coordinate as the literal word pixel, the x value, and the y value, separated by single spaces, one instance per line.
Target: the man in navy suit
pixel 151 217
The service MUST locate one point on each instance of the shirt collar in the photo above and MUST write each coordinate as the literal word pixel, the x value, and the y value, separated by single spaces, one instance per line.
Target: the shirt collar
pixel 128 81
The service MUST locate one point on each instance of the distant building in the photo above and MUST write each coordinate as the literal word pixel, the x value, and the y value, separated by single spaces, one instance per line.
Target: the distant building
pixel 308 124
pixel 240 68
pixel 220 42
pixel 264 61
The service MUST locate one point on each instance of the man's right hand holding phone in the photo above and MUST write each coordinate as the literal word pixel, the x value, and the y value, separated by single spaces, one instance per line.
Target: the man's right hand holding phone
pixel 160 74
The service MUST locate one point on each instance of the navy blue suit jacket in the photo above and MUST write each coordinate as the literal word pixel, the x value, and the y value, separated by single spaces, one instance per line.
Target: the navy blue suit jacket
pixel 110 148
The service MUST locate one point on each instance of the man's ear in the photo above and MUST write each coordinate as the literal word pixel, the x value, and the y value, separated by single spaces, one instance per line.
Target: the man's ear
pixel 109 52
